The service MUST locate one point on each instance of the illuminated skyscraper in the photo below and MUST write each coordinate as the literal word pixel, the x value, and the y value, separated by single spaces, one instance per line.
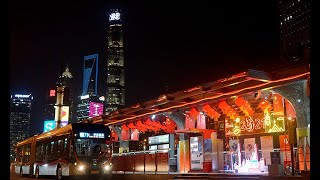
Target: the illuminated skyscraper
pixel 90 75
pixel 67 81
pixel 115 96
pixel 20 113
pixel 90 104
pixel 295 29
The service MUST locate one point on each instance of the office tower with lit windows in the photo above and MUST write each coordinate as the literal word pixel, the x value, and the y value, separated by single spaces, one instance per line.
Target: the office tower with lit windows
pixel 295 29
pixel 90 106
pixel 20 114
pixel 115 96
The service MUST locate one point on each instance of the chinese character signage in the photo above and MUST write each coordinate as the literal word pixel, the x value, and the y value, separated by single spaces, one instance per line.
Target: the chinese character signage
pixel 256 124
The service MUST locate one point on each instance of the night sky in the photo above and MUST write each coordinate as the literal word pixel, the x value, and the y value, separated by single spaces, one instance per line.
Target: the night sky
pixel 175 45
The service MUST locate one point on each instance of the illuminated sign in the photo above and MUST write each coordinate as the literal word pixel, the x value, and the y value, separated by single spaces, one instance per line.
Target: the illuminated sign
pixel 159 139
pixel 114 16
pixel 49 125
pixel 102 98
pixel 21 96
pixel 95 109
pixel 64 123
pixel 84 97
pixel 64 113
pixel 91 135
pixel 52 93
pixel 256 124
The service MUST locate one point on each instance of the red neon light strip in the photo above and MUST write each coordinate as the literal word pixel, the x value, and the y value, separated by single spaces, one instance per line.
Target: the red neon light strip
pixel 209 98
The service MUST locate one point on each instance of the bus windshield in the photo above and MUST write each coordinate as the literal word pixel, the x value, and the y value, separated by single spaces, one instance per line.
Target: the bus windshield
pixel 90 147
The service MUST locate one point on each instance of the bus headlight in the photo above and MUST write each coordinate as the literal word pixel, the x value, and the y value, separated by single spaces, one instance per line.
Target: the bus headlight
pixel 81 167
pixel 106 167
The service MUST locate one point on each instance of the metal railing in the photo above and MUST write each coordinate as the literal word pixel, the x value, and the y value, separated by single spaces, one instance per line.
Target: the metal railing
pixel 141 162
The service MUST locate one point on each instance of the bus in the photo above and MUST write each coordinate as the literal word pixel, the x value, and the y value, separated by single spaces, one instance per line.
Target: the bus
pixel 75 149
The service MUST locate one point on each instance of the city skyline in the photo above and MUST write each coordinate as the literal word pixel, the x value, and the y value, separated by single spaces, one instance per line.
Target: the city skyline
pixel 166 46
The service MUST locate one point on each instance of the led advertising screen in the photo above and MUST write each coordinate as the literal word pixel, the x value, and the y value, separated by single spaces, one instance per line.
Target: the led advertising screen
pixel 64 123
pixel 95 109
pixel 49 125
pixel 64 113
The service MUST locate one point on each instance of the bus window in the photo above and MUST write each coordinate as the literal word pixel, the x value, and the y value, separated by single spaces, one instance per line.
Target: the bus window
pixel 59 148
pixel 51 150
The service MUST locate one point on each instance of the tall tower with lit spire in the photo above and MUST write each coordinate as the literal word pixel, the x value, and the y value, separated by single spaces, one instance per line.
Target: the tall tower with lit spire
pixel 66 80
pixel 115 95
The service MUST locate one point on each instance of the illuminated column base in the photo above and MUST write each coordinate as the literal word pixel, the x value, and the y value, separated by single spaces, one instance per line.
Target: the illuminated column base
pixel 184 154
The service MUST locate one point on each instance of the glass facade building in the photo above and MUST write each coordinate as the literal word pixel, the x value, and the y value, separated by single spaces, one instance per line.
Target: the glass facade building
pixel 20 114
pixel 295 29
pixel 115 96
pixel 90 75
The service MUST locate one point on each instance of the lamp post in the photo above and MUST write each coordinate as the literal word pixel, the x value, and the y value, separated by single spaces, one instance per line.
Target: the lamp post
pixel 291 130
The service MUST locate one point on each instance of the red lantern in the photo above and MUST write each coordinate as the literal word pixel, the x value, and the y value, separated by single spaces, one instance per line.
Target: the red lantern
pixel 125 127
pixel 194 113
pixel 131 125
pixel 223 105
pixel 264 104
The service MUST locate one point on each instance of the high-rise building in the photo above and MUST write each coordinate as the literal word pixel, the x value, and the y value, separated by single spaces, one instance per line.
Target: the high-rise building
pixel 90 75
pixel 67 81
pixel 20 113
pixel 49 106
pixel 90 104
pixel 295 29
pixel 115 96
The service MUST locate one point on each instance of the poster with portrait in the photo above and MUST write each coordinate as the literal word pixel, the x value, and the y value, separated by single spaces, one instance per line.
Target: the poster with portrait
pixel 233 145
pixel 249 144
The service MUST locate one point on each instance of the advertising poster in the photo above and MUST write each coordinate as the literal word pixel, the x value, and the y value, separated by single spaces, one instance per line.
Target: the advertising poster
pixel 284 143
pixel 285 149
pixel 249 147
pixel 233 144
pixel 65 113
pixel 95 109
pixel 266 148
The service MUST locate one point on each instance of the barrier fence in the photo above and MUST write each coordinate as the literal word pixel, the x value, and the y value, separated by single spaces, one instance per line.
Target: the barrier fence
pixel 141 162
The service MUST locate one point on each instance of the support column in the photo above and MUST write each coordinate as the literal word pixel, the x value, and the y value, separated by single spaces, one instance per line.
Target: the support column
pixel 179 119
pixel 124 145
pixel 184 154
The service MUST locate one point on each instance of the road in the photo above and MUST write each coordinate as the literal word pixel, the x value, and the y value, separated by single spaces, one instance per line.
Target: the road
pixel 14 176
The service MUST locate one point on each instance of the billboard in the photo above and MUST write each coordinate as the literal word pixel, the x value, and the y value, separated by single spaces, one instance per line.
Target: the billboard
pixel 49 125
pixel 95 109
pixel 64 113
